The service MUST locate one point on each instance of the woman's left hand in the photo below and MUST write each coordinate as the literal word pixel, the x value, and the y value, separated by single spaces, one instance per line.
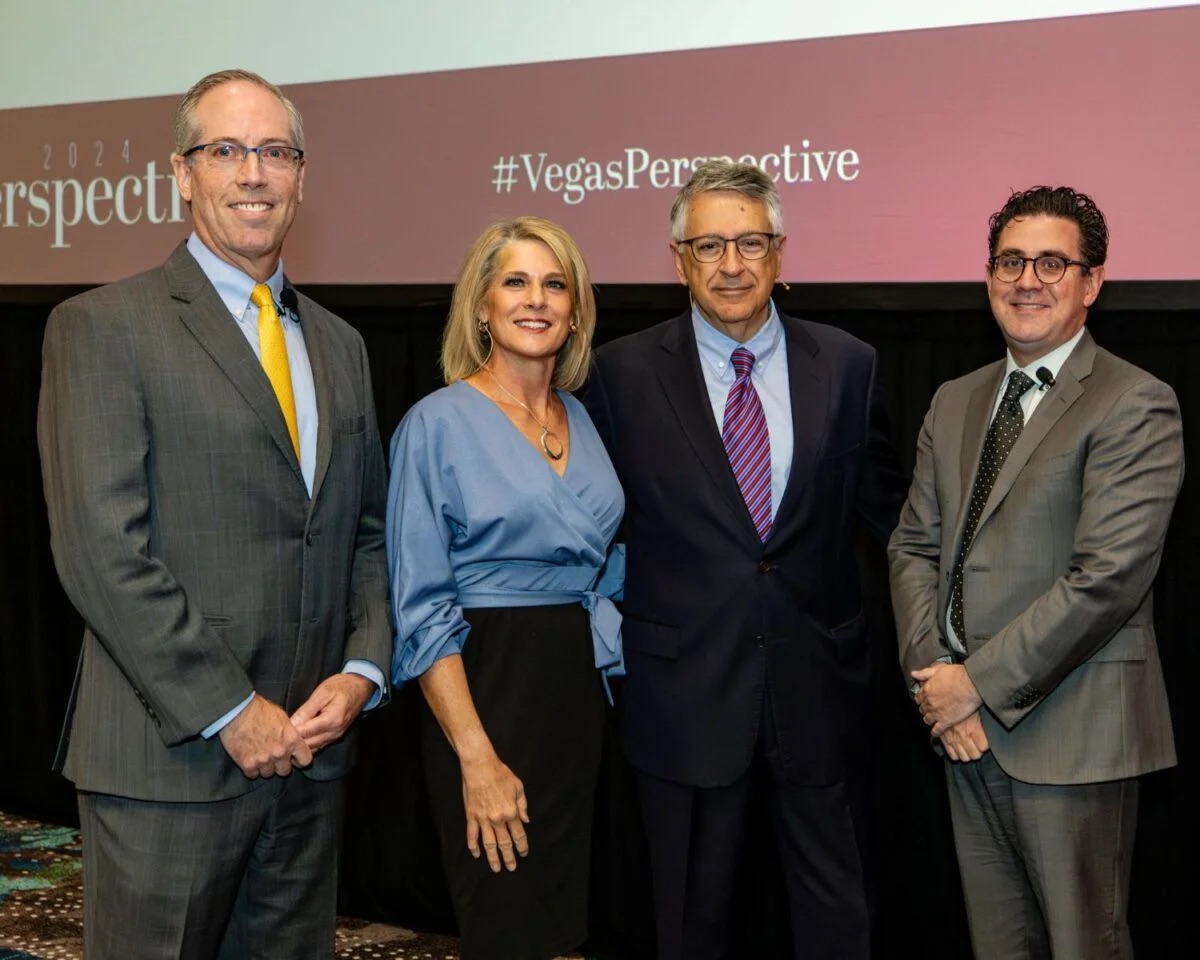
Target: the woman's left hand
pixel 497 811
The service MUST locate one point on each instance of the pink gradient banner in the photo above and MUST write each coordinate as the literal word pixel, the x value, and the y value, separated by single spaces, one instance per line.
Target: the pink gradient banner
pixel 890 151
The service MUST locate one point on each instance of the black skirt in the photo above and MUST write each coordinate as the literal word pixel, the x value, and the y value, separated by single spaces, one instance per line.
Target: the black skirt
pixel 532 675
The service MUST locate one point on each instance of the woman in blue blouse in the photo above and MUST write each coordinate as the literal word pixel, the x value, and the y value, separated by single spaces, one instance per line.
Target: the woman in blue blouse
pixel 501 511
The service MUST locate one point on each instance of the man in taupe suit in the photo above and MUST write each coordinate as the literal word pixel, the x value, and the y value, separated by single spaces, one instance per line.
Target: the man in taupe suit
pixel 215 485
pixel 1021 578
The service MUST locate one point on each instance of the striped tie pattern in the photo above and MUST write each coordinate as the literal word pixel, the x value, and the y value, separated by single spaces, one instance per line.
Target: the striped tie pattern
pixel 747 442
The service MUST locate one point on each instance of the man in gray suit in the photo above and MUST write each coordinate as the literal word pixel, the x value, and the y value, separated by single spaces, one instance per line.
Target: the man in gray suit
pixel 1021 579
pixel 215 485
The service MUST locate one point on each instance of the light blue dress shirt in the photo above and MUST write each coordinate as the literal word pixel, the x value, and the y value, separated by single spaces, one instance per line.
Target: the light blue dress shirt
pixel 770 378
pixel 477 518
pixel 234 287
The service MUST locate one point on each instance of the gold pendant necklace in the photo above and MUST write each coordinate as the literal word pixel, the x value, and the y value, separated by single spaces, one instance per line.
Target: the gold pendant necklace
pixel 552 446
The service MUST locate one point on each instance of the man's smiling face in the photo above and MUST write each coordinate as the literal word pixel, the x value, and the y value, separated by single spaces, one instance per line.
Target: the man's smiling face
pixel 1036 317
pixel 241 211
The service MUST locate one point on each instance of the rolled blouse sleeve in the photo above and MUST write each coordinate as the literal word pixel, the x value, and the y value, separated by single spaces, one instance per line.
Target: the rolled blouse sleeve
pixel 424 514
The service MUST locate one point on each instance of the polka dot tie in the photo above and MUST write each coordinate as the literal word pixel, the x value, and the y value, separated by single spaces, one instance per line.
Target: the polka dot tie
pixel 1002 434
pixel 744 433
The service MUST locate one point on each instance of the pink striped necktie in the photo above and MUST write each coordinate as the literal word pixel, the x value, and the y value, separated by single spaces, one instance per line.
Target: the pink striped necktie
pixel 747 442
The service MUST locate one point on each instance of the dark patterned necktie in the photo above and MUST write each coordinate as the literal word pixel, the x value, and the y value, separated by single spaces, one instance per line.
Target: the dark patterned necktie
pixel 744 433
pixel 1002 434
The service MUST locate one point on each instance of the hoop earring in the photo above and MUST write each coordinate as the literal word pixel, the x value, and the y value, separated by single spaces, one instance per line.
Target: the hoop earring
pixel 485 339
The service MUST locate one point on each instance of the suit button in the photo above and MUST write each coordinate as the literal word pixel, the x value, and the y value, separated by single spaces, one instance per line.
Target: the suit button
pixel 760 641
pixel 766 566
pixel 308 539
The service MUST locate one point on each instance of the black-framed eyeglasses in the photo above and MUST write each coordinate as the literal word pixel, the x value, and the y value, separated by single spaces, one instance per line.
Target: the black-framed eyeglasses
pixel 710 248
pixel 1008 267
pixel 274 156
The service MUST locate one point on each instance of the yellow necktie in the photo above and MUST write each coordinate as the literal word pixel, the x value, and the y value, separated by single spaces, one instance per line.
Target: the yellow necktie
pixel 275 358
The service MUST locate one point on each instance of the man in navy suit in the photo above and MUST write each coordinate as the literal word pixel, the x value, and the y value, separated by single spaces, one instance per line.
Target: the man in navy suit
pixel 749 444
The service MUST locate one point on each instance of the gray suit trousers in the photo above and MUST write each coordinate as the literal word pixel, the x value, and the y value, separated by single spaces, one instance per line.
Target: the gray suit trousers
pixel 253 876
pixel 1045 868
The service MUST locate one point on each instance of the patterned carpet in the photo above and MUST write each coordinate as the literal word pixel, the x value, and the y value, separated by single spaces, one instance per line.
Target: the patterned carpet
pixel 41 905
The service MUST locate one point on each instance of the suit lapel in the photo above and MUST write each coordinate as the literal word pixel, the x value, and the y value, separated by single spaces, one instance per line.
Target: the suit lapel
pixel 1067 389
pixel 316 342
pixel 677 366
pixel 976 418
pixel 809 391
pixel 204 314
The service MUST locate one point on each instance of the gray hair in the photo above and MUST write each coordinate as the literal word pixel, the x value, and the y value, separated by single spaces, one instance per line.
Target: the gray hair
pixel 721 174
pixel 186 128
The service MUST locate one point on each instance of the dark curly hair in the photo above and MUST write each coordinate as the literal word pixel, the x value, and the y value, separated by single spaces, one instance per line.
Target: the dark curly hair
pixel 1056 202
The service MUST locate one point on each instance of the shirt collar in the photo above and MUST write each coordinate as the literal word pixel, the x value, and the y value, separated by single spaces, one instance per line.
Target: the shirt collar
pixel 715 347
pixel 232 285
pixel 1052 361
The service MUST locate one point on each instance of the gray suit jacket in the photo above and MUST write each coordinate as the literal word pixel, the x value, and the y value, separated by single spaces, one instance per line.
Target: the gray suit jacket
pixel 1057 584
pixel 184 534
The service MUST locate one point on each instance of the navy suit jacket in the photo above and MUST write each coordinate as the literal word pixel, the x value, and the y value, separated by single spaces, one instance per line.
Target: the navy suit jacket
pixel 712 614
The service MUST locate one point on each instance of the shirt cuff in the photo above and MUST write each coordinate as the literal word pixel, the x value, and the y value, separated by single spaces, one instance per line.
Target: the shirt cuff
pixel 365 668
pixel 218 725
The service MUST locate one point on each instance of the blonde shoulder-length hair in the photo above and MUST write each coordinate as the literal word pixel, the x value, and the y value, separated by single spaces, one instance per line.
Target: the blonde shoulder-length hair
pixel 465 348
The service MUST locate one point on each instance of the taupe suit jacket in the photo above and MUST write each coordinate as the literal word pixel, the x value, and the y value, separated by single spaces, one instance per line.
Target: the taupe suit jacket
pixel 184 534
pixel 1057 584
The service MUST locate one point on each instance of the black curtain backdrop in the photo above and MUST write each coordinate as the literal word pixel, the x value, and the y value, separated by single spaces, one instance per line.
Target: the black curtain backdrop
pixel 925 334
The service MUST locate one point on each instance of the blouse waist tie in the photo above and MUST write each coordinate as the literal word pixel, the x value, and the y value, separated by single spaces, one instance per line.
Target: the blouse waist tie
pixel 542 586
pixel 603 616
